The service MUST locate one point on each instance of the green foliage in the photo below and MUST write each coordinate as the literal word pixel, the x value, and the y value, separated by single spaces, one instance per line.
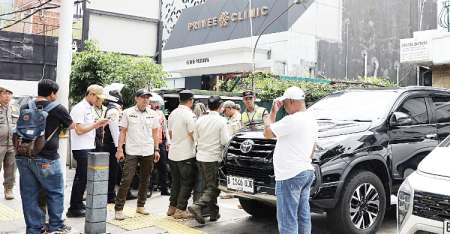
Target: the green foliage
pixel 93 66
pixel 269 86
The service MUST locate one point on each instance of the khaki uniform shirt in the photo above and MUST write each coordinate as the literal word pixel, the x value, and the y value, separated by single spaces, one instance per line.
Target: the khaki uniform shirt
pixel 139 127
pixel 234 123
pixel 8 120
pixel 211 135
pixel 181 123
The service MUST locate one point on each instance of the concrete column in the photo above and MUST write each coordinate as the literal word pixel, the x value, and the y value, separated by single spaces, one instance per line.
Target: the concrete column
pixel 63 73
pixel 97 192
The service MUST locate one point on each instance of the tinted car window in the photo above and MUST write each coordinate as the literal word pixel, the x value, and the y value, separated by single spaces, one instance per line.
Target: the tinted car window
pixel 417 109
pixel 442 104
pixel 354 105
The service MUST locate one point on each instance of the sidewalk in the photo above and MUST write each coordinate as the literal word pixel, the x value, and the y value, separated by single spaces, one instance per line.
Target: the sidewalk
pixel 12 221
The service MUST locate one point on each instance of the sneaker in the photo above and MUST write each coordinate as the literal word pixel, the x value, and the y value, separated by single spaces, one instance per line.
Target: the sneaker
pixel 76 213
pixel 63 229
pixel 182 214
pixel 120 215
pixel 142 210
pixel 9 192
pixel 131 196
pixel 197 212
pixel 171 210
pixel 214 218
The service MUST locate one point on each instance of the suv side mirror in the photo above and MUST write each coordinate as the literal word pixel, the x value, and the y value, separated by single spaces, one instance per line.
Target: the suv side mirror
pixel 400 119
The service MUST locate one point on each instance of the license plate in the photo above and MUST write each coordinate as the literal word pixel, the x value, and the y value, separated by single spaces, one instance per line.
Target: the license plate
pixel 240 184
pixel 446 227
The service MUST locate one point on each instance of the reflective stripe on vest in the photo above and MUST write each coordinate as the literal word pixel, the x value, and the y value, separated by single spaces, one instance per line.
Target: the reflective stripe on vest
pixel 257 117
pixel 161 119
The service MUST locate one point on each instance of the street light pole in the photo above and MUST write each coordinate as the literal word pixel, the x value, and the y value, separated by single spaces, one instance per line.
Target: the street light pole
pixel 259 36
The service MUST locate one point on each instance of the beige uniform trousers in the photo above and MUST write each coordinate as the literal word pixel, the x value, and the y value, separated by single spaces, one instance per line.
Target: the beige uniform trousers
pixel 8 162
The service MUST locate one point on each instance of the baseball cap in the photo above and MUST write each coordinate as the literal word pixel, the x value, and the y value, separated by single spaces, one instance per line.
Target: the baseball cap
pixel 185 95
pixel 248 93
pixel 229 104
pixel 143 92
pixel 6 88
pixel 97 90
pixel 293 93
pixel 214 102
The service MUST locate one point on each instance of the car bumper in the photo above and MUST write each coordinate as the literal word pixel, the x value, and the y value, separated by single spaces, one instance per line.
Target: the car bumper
pixel 416 223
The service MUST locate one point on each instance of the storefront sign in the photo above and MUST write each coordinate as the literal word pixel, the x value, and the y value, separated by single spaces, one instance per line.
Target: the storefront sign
pixel 225 17
pixel 412 50
pixel 195 61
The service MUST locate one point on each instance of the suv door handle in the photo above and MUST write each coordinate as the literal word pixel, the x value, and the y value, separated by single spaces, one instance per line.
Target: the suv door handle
pixel 431 136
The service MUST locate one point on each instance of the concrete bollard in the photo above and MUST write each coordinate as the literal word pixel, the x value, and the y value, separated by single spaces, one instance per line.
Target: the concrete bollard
pixel 97 192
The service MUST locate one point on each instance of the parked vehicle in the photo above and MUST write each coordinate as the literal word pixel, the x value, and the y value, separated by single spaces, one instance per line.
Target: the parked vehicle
pixel 424 197
pixel 370 140
pixel 20 100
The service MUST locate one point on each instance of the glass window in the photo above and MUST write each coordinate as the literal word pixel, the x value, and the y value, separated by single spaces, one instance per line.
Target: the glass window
pixel 417 109
pixel 442 105
pixel 366 105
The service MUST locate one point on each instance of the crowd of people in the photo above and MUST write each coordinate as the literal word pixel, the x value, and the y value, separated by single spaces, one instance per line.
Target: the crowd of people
pixel 138 139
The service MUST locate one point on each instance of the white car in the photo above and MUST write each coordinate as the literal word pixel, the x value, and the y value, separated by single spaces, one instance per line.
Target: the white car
pixel 424 197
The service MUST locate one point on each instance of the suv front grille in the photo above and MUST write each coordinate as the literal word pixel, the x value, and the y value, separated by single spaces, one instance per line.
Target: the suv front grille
pixel 257 174
pixel 431 206
pixel 261 149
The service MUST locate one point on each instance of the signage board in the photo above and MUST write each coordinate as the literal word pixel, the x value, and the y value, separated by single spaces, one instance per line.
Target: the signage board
pixel 415 50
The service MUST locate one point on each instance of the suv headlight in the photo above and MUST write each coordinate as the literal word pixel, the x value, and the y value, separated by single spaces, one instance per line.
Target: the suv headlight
pixel 405 203
pixel 330 142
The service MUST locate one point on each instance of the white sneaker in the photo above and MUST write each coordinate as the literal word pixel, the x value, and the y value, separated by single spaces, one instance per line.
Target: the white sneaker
pixel 63 229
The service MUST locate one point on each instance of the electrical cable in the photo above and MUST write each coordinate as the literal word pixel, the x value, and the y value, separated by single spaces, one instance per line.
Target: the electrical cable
pixel 28 16
pixel 31 8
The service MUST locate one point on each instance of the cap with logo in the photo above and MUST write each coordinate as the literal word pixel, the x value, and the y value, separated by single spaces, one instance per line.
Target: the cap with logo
pixel 97 90
pixel 186 95
pixel 5 88
pixel 229 104
pixel 295 93
pixel 143 92
pixel 248 93
pixel 214 102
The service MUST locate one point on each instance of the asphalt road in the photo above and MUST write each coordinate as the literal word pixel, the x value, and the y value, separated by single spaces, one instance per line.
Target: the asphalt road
pixel 250 225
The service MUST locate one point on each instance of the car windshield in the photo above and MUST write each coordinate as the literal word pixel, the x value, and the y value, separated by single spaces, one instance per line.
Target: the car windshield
pixel 354 105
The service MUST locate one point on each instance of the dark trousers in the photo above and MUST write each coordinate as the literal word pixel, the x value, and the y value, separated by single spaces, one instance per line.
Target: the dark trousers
pixel 80 180
pixel 113 168
pixel 163 169
pixel 210 173
pixel 183 179
pixel 131 163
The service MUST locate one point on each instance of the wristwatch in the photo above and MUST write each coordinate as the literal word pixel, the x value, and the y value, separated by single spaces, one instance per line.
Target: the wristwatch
pixel 157 150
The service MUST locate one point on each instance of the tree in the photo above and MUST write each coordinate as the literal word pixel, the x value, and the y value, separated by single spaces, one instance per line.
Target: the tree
pixel 269 86
pixel 93 66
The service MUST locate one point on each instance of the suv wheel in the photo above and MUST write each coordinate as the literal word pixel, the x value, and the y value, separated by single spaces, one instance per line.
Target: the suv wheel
pixel 361 205
pixel 257 209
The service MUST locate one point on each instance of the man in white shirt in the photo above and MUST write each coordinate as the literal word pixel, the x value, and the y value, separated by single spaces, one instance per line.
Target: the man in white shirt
pixel 182 155
pixel 139 126
pixel 211 135
pixel 296 140
pixel 82 142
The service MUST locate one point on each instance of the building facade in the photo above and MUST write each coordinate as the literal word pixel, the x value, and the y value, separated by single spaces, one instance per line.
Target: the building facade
pixel 322 38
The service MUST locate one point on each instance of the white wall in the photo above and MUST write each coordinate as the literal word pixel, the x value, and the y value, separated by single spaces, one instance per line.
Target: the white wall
pixel 142 8
pixel 322 19
pixel 124 35
pixel 21 87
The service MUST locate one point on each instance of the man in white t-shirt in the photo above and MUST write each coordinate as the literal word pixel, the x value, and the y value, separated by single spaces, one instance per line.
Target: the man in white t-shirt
pixel 296 140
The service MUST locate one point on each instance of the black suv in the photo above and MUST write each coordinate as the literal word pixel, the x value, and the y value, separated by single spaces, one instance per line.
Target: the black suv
pixel 370 140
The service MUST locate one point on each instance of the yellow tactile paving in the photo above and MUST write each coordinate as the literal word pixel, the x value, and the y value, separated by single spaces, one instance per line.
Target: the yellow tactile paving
pixel 7 213
pixel 160 220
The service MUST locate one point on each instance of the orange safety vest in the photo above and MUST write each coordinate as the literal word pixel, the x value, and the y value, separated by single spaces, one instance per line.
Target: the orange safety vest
pixel 161 120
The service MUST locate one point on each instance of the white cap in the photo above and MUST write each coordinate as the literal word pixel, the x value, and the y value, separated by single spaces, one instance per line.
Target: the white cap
pixel 294 92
